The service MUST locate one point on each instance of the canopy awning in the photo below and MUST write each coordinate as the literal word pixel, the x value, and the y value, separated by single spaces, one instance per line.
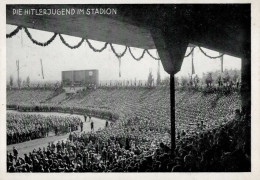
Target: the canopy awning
pixel 168 28
pixel 96 27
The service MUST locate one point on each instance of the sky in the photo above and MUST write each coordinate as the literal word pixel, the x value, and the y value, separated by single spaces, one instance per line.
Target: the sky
pixel 57 57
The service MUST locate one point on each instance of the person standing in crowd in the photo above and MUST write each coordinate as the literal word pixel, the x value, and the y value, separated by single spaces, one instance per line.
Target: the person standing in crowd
pixel 85 117
pixel 201 126
pixel 237 115
pixel 47 130
pixel 70 137
pixel 106 123
pixel 92 125
pixel 237 84
pixel 56 130
pixel 89 118
pixel 81 126
pixel 58 145
pixel 15 152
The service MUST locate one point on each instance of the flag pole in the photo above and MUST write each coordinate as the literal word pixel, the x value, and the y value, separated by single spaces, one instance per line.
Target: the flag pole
pixel 172 100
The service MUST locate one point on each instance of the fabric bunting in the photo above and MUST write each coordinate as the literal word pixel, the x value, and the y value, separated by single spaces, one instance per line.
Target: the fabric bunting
pixel 13 33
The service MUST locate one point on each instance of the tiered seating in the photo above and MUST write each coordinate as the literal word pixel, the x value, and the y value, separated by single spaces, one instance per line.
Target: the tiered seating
pixel 143 130
pixel 24 127
pixel 27 96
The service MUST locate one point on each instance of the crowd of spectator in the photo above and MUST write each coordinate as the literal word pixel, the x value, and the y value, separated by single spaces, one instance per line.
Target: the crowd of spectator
pixel 32 97
pixel 226 148
pixel 25 127
pixel 139 140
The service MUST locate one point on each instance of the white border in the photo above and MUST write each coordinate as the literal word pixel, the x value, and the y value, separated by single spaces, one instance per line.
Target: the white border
pixel 255 135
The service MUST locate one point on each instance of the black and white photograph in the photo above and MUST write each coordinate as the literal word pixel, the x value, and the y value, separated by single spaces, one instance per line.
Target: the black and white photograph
pixel 128 88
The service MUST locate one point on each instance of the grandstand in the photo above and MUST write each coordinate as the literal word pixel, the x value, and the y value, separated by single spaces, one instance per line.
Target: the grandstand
pixel 187 128
pixel 150 106
pixel 213 108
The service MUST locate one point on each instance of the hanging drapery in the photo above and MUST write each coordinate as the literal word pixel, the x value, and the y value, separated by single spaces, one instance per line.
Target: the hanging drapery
pixel 42 69
pixel 192 63
pixel 158 66
pixel 221 60
pixel 22 39
pixel 18 73
pixel 158 73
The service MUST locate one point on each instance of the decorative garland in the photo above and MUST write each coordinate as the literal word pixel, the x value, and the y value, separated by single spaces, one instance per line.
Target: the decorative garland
pixel 14 32
pixel 119 60
pixel 118 55
pixel 79 44
pixel 40 43
pixel 190 52
pixel 210 56
pixel 152 55
pixel 97 50
pixel 138 59
pixel 71 47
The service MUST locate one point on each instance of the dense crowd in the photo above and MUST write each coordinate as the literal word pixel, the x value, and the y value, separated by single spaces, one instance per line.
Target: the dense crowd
pixel 33 97
pixel 151 108
pixel 25 127
pixel 140 138
pixel 226 148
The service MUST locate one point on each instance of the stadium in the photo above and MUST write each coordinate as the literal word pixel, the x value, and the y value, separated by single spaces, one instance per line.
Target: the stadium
pixel 88 122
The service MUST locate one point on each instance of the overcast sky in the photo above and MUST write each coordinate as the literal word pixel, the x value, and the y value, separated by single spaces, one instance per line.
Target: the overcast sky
pixel 57 57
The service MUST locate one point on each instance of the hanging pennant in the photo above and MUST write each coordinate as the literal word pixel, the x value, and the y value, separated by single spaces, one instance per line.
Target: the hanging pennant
pixel 158 82
pixel 22 38
pixel 42 69
pixel 119 59
pixel 192 63
pixel 221 60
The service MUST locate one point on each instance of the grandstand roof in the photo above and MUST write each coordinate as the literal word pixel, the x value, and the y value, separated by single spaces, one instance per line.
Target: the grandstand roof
pixel 168 28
